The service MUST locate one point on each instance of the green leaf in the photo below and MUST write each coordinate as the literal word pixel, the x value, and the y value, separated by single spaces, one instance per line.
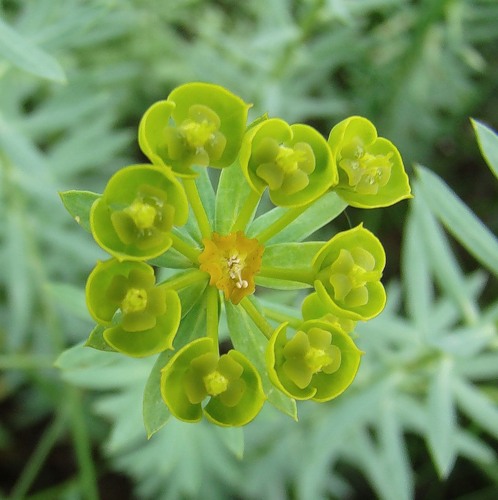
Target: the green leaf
pixel 100 370
pixel 191 295
pixel 155 411
pixel 231 194
pixel 78 204
pixel 476 405
pixel 442 426
pixel 96 340
pixel 458 219
pixel 17 270
pixel 79 357
pixel 291 255
pixel 25 55
pixel 488 144
pixel 232 438
pixel 416 275
pixel 444 265
pixel 206 193
pixel 250 341
pixel 71 297
pixel 482 367
pixel 171 259
pixel 394 453
pixel 320 213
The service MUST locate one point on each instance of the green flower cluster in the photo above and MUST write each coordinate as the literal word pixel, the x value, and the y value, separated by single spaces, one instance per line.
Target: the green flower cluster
pixel 164 217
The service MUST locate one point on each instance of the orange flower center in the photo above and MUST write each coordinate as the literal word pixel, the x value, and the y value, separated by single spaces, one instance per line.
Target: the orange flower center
pixel 232 261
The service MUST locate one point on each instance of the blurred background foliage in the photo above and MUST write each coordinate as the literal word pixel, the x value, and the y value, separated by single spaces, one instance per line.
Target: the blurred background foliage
pixel 75 77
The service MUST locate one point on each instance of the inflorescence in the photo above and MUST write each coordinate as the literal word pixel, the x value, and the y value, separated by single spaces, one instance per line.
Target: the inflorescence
pixel 165 215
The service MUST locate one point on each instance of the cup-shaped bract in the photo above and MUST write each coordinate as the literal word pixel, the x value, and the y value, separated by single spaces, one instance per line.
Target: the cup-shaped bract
pixel 371 171
pixel 196 372
pixel 318 362
pixel 313 308
pixel 348 269
pixel 134 216
pixel 149 315
pixel 293 161
pixel 200 124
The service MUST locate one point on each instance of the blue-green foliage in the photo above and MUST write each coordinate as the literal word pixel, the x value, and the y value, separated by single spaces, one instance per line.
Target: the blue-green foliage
pixel 415 68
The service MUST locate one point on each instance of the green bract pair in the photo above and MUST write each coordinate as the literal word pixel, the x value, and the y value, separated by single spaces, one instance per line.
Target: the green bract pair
pixel 185 258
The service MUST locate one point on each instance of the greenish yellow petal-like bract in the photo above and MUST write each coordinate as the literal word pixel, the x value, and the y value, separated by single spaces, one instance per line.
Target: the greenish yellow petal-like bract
pixel 200 124
pixel 293 161
pixel 313 308
pixel 348 269
pixel 196 372
pixel 133 218
pixel 319 362
pixel 141 318
pixel 371 171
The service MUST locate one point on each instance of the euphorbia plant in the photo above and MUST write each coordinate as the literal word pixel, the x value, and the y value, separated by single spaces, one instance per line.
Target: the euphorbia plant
pixel 166 216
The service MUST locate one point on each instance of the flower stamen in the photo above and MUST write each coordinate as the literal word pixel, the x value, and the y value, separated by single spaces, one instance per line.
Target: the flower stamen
pixel 232 262
pixel 235 268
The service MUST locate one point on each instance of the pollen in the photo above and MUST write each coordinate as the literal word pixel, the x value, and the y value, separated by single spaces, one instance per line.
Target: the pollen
pixel 232 261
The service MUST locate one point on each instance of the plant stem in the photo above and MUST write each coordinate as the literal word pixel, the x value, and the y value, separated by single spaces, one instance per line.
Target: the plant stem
pixel 197 207
pixel 282 318
pixel 185 249
pixel 246 212
pixel 184 280
pixel 258 319
pixel 212 315
pixel 302 275
pixel 289 216
pixel 37 459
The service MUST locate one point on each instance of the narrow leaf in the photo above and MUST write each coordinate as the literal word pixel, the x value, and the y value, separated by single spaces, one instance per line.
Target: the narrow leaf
pixel 96 340
pixel 444 265
pixel 291 255
pixel 171 259
pixel 442 426
pixel 459 219
pixel 22 53
pixel 233 439
pixel 71 297
pixel 416 276
pixel 324 210
pixel 231 194
pixel 488 144
pixel 251 342
pixel 394 452
pixel 476 405
pixel 155 412
pixel 18 275
pixel 78 204
pixel 79 357
pixel 206 193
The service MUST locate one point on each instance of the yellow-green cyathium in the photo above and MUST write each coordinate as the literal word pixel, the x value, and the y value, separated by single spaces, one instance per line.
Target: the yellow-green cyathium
pixel 199 124
pixel 140 318
pixel 134 216
pixel 187 254
pixel 371 171
pixel 293 161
